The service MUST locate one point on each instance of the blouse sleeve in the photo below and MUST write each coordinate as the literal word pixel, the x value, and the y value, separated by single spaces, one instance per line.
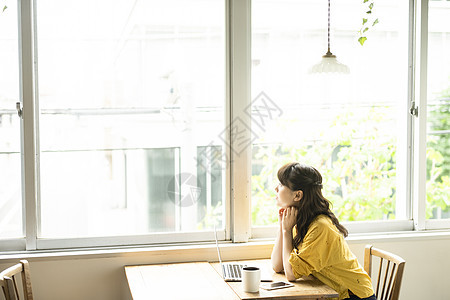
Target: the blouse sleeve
pixel 315 252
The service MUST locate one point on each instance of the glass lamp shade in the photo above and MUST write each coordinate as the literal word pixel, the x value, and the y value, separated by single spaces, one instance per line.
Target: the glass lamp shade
pixel 329 64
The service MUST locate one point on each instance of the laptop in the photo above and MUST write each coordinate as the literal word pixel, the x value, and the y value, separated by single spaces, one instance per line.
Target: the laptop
pixel 233 271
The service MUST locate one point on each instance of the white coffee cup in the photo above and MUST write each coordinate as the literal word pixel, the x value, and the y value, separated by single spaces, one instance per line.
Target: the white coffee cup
pixel 251 278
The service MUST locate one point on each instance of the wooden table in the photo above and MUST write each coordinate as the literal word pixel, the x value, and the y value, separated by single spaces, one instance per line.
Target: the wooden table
pixel 304 288
pixel 177 281
pixel 203 280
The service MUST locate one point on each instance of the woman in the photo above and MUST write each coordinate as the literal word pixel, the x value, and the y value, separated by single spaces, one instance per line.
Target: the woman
pixel 311 239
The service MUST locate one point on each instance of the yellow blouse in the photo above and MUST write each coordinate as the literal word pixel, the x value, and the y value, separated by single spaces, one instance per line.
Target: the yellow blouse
pixel 325 254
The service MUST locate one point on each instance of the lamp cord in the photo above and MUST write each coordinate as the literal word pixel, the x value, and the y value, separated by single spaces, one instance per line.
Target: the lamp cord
pixel 329 13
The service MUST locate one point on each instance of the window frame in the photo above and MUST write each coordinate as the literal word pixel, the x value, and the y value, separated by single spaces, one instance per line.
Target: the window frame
pixel 415 179
pixel 419 132
pixel 237 200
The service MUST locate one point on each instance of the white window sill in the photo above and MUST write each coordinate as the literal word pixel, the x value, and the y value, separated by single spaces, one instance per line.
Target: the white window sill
pixel 258 248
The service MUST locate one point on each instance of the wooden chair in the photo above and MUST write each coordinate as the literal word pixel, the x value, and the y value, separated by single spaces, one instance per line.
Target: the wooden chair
pixel 389 274
pixel 9 281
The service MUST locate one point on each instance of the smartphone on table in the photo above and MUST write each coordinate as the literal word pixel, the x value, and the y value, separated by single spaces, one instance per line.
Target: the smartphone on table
pixel 275 285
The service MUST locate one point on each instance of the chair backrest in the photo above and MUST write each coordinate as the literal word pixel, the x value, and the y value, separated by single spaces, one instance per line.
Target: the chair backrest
pixel 390 272
pixel 9 281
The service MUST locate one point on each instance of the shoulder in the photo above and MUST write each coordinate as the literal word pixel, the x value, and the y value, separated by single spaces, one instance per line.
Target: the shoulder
pixel 322 221
pixel 321 231
pixel 322 224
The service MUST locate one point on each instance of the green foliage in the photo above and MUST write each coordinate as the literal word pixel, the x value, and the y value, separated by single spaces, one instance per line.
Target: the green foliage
pixel 438 196
pixel 438 156
pixel 438 185
pixel 361 40
pixel 439 121
pixel 367 15
pixel 357 163
pixel 3 3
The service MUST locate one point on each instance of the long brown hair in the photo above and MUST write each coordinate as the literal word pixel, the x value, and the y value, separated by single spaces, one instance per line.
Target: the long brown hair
pixel 300 177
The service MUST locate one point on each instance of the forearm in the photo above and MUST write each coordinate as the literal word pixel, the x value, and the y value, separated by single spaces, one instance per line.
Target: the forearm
pixel 277 253
pixel 287 250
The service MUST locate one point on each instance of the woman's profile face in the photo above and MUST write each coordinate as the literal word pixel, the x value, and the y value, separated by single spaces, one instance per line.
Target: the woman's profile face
pixel 285 196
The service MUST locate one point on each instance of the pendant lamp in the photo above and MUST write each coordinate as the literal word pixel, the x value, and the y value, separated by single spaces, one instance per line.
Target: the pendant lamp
pixel 329 63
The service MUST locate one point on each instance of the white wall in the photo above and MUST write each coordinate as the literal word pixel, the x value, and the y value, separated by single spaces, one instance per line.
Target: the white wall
pixel 75 276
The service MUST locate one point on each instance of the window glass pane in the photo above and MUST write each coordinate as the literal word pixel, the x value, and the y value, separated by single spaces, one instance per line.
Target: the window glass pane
pixel 129 91
pixel 351 127
pixel 210 174
pixel 438 140
pixel 10 165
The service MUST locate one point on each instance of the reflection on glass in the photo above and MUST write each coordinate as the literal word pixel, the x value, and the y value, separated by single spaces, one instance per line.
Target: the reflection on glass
pixel 10 164
pixel 438 139
pixel 129 91
pixel 350 127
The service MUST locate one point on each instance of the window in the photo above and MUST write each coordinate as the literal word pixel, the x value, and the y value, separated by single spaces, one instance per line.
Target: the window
pixel 345 125
pixel 141 123
pixel 10 158
pixel 130 92
pixel 438 139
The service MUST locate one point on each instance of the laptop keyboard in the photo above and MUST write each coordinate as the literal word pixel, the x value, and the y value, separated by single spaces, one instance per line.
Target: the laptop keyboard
pixel 232 271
